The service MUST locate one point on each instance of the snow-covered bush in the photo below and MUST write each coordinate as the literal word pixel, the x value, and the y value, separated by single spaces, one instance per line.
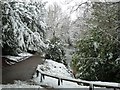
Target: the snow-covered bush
pixel 23 26
pixel 55 50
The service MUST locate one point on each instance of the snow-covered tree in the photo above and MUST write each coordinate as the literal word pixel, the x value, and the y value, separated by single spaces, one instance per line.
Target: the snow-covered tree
pixel 97 54
pixel 55 50
pixel 23 26
pixel 58 23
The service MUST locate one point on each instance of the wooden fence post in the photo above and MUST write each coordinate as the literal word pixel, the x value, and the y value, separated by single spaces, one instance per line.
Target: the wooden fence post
pixel 41 77
pixel 59 81
pixel 91 87
pixel 37 72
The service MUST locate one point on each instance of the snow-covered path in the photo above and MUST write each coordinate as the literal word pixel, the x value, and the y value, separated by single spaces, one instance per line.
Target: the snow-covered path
pixel 20 71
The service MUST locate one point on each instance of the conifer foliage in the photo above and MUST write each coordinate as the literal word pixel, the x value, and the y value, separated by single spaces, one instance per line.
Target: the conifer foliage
pixel 23 26
pixel 56 50
pixel 97 55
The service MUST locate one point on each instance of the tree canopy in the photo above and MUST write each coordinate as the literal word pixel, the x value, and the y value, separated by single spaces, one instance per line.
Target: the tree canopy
pixel 23 26
pixel 97 56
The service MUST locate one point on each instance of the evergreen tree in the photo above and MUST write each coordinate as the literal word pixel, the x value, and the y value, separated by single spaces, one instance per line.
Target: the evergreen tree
pixel 55 50
pixel 23 26
pixel 97 55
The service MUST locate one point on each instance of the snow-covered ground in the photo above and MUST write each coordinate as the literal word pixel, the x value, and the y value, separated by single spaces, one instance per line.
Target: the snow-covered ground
pixel 20 57
pixel 19 84
pixel 57 69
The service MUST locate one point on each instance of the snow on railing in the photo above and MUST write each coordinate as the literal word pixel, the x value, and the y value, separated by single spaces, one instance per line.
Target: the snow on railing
pixel 89 83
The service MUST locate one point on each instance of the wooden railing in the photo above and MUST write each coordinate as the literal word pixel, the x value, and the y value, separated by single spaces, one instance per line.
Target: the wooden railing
pixel 88 83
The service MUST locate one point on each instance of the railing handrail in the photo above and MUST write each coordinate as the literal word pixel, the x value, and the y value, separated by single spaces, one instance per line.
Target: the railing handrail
pixel 90 83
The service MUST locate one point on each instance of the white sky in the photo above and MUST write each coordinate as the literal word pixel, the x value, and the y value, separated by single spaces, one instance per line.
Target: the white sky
pixel 65 4
pixel 68 3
